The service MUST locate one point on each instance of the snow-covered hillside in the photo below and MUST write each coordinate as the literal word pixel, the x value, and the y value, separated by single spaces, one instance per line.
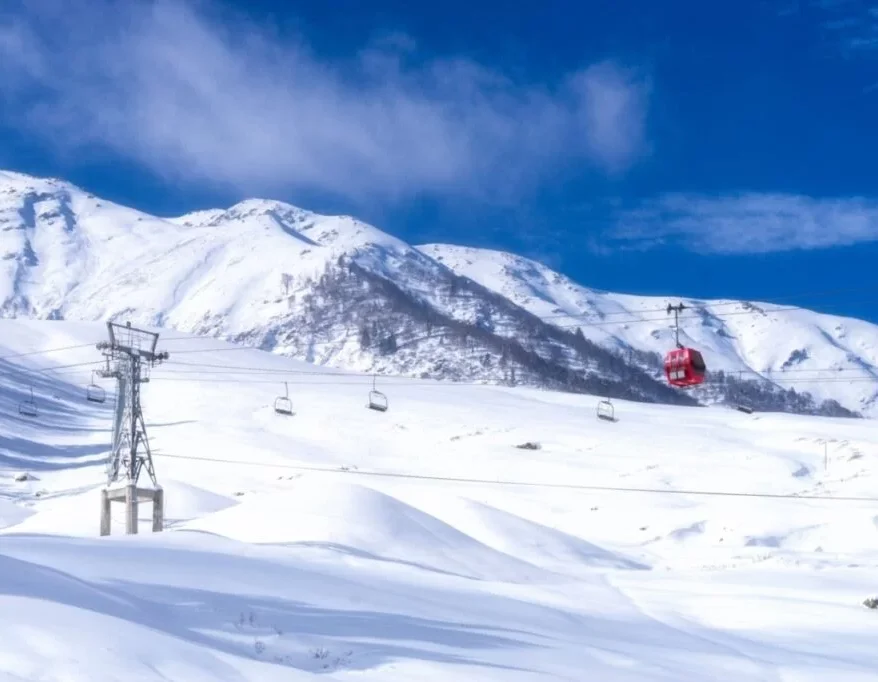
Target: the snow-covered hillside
pixel 70 254
pixel 421 543
pixel 337 292
pixel 829 356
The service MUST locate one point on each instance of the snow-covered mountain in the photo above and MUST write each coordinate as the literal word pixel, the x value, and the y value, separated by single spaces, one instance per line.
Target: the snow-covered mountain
pixel 829 356
pixel 335 291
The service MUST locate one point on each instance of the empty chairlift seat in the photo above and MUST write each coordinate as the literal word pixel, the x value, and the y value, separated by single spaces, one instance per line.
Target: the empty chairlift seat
pixel 377 400
pixel 283 404
pixel 606 411
pixel 28 408
pixel 94 393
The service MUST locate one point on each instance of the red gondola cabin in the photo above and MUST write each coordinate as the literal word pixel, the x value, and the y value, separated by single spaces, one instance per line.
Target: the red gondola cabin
pixel 684 367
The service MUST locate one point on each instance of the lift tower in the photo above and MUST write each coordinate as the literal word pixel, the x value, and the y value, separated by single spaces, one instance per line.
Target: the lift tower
pixel 130 353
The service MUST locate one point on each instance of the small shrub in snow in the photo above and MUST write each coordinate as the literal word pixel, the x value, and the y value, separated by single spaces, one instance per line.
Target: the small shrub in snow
pixel 529 446
pixel 871 603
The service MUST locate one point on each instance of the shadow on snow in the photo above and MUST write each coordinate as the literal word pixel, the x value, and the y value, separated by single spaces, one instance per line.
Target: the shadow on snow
pixel 61 410
pixel 235 624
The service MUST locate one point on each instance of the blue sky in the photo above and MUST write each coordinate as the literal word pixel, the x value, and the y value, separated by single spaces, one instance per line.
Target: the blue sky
pixel 701 149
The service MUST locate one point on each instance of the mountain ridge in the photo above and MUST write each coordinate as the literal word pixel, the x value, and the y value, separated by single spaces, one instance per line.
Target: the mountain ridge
pixel 340 292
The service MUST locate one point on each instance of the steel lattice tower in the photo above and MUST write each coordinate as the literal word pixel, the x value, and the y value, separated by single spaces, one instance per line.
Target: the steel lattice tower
pixel 130 353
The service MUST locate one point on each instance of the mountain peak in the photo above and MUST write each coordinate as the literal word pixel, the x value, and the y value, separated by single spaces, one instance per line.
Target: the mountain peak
pixel 243 210
pixel 257 206
pixel 289 279
pixel 22 182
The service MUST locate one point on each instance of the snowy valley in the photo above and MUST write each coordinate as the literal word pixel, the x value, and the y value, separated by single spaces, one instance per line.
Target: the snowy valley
pixel 340 293
pixel 487 526
pixel 424 543
pixel 513 419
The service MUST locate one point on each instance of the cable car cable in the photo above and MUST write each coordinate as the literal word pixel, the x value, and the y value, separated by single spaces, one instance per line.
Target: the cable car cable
pixel 530 484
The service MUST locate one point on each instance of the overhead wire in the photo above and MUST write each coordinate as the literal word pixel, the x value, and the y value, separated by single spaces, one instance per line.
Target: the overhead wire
pixel 214 368
pixel 437 384
pixel 702 302
pixel 266 370
pixel 46 351
pixel 572 324
pixel 232 370
pixel 635 318
pixel 208 372
pixel 519 483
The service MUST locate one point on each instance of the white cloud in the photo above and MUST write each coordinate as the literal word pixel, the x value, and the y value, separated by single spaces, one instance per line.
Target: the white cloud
pixel 198 97
pixel 20 63
pixel 614 104
pixel 851 24
pixel 745 223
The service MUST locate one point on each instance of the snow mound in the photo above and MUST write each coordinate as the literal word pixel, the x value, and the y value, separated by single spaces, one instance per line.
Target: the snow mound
pixel 530 541
pixel 26 579
pixel 79 514
pixel 358 521
pixel 58 617
pixel 184 502
pixel 12 514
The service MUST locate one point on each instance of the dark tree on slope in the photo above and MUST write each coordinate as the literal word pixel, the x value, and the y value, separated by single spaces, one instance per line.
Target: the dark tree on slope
pixel 404 334
pixel 393 326
pixel 767 397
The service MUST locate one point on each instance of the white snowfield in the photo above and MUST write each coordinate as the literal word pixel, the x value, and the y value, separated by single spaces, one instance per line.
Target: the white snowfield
pixel 420 544
pixel 247 270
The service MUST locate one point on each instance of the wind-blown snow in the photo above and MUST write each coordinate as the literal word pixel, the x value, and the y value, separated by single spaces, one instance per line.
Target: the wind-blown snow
pixel 359 545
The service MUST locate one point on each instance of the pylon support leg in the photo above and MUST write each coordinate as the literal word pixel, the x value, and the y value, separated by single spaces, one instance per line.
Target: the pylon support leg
pixel 105 512
pixel 158 510
pixel 131 510
pixel 131 495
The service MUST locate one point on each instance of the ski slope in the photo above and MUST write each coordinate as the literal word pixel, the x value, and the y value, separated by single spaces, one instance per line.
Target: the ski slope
pixel 420 544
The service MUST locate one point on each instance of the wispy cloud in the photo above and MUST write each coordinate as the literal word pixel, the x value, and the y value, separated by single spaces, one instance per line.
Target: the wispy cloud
pixel 847 29
pixel 195 96
pixel 744 224
pixel 852 25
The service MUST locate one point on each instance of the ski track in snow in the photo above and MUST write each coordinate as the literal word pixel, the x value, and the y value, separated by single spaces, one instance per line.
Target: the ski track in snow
pixel 269 572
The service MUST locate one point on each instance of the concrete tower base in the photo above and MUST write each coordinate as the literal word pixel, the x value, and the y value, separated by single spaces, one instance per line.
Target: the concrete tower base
pixel 131 495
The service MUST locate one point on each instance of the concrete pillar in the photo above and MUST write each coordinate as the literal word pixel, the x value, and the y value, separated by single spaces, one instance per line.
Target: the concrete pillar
pixel 105 512
pixel 158 510
pixel 131 509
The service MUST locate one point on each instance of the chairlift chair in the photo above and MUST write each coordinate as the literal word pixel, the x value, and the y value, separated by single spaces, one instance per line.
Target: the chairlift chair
pixel 377 400
pixel 94 393
pixel 283 404
pixel 606 411
pixel 28 408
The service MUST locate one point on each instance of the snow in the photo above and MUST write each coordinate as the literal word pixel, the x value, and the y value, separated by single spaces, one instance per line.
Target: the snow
pixel 246 272
pixel 829 356
pixel 421 544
